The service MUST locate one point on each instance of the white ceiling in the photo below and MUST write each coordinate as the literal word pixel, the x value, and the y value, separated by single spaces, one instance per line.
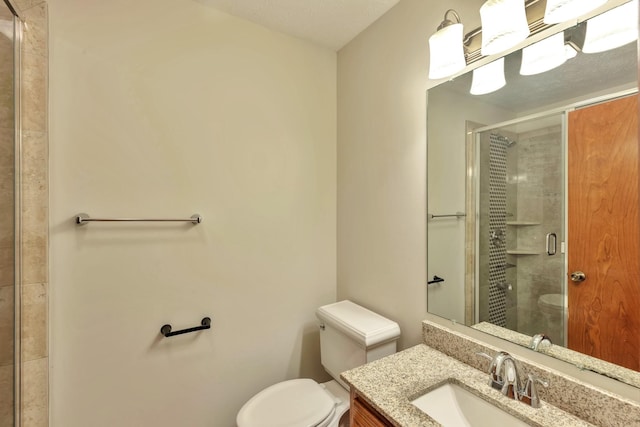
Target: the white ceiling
pixel 329 23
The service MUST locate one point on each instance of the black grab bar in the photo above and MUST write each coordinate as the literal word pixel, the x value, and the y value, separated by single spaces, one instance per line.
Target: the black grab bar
pixel 166 329
pixel 436 279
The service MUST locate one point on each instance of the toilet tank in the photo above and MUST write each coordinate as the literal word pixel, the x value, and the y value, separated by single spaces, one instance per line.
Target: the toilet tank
pixel 351 335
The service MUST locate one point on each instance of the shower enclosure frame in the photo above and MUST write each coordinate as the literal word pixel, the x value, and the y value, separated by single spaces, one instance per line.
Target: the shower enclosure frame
pixel 17 399
pixel 18 26
pixel 475 203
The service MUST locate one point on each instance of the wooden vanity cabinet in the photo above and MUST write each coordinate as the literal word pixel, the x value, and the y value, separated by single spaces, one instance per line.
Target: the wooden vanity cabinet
pixel 364 415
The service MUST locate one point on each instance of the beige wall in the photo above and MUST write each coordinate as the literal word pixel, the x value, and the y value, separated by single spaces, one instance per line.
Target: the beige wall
pixel 164 109
pixel 382 83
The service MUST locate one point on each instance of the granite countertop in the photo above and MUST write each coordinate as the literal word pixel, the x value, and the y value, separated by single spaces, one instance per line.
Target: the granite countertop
pixel 583 361
pixel 389 384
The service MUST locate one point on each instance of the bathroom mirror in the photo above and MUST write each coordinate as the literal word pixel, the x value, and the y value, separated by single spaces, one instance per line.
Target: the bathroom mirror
pixel 500 197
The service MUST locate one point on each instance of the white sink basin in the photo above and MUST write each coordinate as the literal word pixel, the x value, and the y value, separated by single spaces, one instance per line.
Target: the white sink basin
pixel 453 406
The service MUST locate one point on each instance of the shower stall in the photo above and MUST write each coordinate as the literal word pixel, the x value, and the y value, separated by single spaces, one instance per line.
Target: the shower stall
pixel 10 36
pixel 520 232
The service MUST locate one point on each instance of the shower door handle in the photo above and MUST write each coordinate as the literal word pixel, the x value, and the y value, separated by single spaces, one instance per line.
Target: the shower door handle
pixel 552 243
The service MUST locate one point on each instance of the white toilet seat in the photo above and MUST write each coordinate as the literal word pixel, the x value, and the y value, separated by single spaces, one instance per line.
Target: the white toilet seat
pixel 293 403
pixel 349 334
pixel 553 302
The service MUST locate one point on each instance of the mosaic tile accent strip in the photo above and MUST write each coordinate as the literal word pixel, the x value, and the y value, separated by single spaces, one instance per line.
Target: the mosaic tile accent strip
pixel 497 228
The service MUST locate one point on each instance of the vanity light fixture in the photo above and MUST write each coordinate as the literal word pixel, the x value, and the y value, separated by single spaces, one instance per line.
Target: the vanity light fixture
pixel 544 55
pixel 612 29
pixel 563 10
pixel 488 78
pixel 446 49
pixel 504 25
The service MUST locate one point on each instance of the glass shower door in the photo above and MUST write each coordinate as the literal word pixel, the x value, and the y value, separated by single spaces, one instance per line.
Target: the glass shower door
pixel 9 275
pixel 521 223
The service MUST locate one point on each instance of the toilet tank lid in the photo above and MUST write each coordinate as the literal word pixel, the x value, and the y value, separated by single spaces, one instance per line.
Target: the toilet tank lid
pixel 362 325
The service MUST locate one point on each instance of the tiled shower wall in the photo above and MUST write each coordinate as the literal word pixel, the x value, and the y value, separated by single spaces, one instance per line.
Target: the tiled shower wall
pixel 35 215
pixel 541 196
pixel 534 194
pixel 7 233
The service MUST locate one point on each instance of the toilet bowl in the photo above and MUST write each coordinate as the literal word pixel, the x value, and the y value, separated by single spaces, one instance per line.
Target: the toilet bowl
pixel 296 403
pixel 350 336
pixel 551 304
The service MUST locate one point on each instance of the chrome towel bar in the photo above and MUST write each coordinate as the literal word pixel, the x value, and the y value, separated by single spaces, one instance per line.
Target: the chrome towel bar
pixel 83 219
pixel 166 329
pixel 457 215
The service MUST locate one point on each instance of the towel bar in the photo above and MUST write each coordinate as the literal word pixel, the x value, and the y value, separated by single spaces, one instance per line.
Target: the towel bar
pixel 83 219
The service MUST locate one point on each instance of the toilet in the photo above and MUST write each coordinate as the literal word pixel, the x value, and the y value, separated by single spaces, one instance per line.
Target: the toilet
pixel 552 308
pixel 350 336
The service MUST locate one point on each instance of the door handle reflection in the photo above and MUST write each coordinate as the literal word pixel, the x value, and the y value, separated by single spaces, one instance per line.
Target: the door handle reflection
pixel 578 276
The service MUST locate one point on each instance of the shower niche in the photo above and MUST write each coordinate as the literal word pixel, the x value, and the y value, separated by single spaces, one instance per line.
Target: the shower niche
pixel 520 229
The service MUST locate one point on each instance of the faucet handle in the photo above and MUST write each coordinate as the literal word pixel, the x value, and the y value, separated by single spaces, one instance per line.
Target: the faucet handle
pixel 530 391
pixel 485 355
pixel 492 365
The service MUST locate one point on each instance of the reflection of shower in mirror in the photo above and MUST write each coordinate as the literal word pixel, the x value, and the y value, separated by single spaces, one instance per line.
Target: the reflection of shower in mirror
pixel 521 213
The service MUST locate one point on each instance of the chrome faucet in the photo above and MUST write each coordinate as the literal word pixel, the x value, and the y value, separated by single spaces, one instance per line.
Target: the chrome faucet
pixel 504 375
pixel 507 369
pixel 495 380
pixel 530 391
pixel 539 340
